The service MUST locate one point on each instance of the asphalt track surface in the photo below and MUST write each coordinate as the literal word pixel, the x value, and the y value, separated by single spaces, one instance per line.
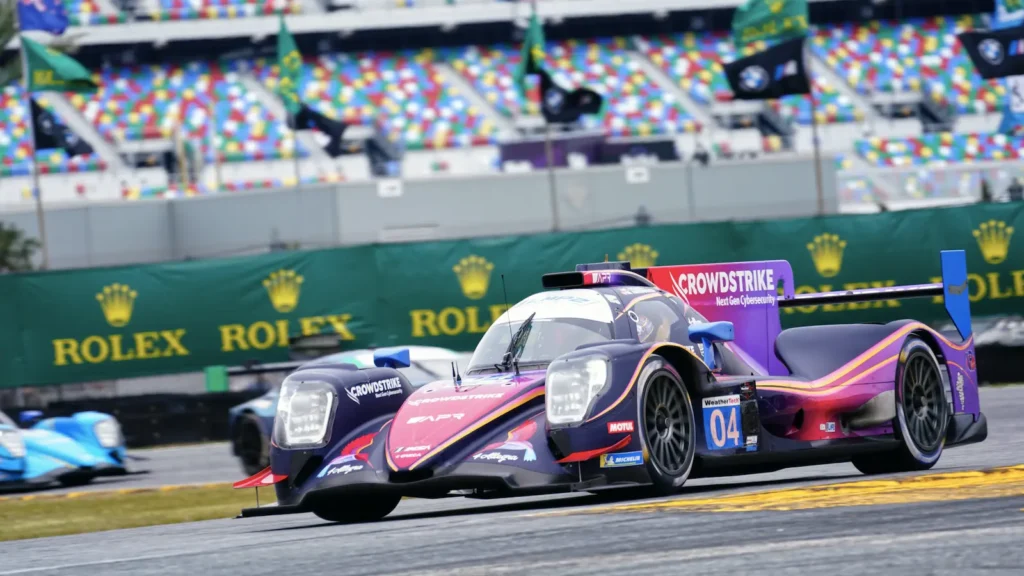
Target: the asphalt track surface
pixel 967 523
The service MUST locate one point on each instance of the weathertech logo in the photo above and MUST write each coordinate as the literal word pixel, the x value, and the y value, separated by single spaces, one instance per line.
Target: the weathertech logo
pixel 379 389
pixel 733 400
pixel 620 427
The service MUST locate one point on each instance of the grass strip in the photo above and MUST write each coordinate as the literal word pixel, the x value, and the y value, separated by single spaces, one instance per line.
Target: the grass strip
pixel 99 511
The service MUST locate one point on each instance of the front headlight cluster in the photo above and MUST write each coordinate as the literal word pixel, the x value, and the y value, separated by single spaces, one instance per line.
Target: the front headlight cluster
pixel 108 433
pixel 305 412
pixel 12 443
pixel 572 386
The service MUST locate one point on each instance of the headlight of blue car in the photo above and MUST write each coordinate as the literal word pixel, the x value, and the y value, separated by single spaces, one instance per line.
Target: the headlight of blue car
pixel 108 433
pixel 12 444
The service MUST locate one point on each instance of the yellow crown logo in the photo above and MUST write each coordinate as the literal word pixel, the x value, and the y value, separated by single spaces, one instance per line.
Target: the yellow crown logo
pixel 639 255
pixel 827 252
pixel 775 6
pixel 117 301
pixel 283 287
pixel 474 274
pixel 994 240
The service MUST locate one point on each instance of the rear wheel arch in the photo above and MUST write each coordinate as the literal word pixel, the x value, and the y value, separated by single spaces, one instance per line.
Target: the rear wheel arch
pixel 933 343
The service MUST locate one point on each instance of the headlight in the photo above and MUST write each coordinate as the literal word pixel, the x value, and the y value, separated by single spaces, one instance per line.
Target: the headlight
pixel 108 433
pixel 572 386
pixel 305 412
pixel 10 440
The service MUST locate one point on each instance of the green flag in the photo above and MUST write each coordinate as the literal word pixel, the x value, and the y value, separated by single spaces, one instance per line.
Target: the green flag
pixel 769 20
pixel 289 60
pixel 49 70
pixel 532 55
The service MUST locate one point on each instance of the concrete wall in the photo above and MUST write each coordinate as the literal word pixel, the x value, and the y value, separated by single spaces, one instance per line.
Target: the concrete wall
pixel 97 234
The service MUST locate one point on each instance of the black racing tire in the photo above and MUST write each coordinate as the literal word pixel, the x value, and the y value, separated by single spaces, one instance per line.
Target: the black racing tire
pixel 355 510
pixel 667 425
pixel 72 480
pixel 922 414
pixel 251 446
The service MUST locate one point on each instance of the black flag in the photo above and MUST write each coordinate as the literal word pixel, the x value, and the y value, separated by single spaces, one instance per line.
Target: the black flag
pixel 50 135
pixel 309 119
pixel 776 72
pixel 563 106
pixel 995 53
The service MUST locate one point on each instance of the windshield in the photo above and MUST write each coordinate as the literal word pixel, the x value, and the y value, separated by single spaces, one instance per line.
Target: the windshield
pixel 562 321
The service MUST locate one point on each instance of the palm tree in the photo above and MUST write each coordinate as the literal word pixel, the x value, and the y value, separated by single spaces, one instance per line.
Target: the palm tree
pixel 15 249
pixel 11 72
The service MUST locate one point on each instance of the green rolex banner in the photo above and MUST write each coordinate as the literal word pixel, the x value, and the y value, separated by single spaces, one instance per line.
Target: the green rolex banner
pixel 769 21
pixel 49 70
pixel 289 61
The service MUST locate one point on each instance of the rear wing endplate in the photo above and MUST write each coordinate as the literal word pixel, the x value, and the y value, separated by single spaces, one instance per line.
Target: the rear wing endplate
pixel 953 289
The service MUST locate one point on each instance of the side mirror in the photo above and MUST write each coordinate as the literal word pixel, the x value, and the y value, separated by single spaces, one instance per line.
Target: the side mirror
pixel 394 358
pixel 707 333
pixel 29 417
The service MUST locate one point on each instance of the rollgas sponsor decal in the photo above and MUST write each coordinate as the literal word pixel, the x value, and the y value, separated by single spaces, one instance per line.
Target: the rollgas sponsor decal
pixel 411 451
pixel 960 388
pixel 509 450
pixel 379 389
pixel 728 284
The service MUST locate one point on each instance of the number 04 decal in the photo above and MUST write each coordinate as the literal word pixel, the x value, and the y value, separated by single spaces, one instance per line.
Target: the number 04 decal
pixel 722 422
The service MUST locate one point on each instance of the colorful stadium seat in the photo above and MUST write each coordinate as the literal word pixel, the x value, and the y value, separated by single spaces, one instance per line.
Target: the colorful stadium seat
pixel 919 55
pixel 693 61
pixel 88 13
pixel 215 9
pixel 136 103
pixel 634 104
pixel 940 148
pixel 402 92
pixel 16 147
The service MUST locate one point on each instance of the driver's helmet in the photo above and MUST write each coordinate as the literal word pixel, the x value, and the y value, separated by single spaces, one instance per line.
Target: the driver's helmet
pixel 655 329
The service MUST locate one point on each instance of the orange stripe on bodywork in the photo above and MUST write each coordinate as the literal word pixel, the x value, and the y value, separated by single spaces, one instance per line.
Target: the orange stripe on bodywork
pixel 479 423
pixel 637 300
pixel 794 386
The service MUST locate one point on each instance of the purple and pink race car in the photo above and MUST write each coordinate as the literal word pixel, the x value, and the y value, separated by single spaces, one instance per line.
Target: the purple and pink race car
pixel 633 377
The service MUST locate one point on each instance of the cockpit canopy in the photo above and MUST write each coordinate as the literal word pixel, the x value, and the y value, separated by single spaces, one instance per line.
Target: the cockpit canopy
pixel 562 321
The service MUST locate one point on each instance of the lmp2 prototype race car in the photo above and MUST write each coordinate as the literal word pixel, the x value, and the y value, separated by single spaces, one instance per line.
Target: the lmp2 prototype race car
pixel 625 377
pixel 71 450
pixel 251 423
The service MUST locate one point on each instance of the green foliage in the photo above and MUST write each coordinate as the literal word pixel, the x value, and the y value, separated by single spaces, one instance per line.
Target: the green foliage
pixel 15 249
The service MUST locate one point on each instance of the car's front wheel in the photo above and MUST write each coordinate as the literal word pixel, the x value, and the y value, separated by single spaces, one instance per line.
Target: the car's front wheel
pixel 667 425
pixel 354 510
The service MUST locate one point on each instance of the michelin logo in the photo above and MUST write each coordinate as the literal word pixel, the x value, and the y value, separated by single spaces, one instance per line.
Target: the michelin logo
pixel 622 459
pixel 379 389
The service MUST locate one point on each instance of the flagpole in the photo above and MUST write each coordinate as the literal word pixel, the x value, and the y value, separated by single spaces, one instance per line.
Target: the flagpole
pixel 549 151
pixel 817 150
pixel 36 190
pixel 295 146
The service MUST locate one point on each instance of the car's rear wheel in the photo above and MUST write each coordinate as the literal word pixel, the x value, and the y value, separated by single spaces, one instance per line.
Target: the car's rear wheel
pixel 667 425
pixel 354 510
pixel 252 447
pixel 922 414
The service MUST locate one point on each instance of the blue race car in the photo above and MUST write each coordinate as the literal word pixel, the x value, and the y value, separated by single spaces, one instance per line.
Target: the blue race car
pixel 70 450
pixel 250 423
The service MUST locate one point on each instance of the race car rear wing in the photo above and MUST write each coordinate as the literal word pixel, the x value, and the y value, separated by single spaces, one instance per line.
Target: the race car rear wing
pixel 953 289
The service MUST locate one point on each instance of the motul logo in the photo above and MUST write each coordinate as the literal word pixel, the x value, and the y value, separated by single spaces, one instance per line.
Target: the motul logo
pixel 620 427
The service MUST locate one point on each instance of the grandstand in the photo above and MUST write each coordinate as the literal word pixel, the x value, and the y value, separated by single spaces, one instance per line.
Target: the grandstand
pixel 897 101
